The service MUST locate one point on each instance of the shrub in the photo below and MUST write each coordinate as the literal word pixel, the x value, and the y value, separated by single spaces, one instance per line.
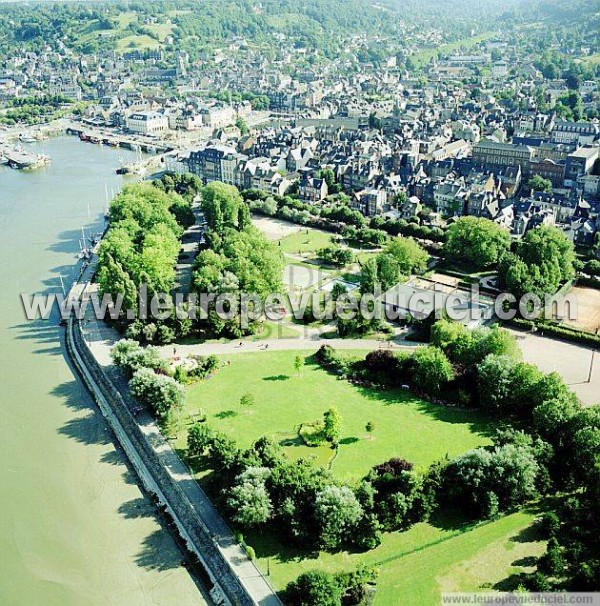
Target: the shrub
pixel 161 393
pixel 431 369
pixel 314 588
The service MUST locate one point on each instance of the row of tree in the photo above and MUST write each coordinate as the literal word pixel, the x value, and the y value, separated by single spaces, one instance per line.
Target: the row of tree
pixel 539 263
pixel 237 257
pixel 142 244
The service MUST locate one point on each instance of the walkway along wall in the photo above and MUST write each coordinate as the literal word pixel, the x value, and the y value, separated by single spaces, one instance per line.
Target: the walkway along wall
pixel 227 589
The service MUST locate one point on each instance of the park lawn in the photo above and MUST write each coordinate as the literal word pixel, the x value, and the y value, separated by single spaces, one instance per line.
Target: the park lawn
pixel 137 42
pixel 162 30
pixel 405 426
pixel 308 240
pixel 416 565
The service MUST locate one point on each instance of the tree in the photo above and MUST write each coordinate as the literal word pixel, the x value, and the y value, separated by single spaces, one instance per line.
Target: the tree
pixel 477 242
pixel 338 512
pixel 220 205
pixel 314 588
pixel 495 381
pixel 249 500
pixel 298 363
pixel 431 369
pixel 199 439
pixel 409 254
pixel 332 426
pixel 487 480
pixel 388 271
pixel 544 259
pixel 368 276
pixel 241 124
pixel 131 357
pixel 335 255
pixel 247 400
pixel 163 394
pixel 538 183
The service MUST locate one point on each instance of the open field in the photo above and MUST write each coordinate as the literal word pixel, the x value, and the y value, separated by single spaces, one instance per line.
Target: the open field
pixel 307 240
pixel 162 30
pixel 142 42
pixel 588 309
pixel 405 426
pixel 274 229
pixel 416 565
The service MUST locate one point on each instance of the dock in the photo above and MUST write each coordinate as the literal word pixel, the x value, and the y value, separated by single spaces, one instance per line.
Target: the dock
pixel 92 135
pixel 17 157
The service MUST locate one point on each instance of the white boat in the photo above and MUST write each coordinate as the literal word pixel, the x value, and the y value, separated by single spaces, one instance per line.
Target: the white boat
pixel 27 138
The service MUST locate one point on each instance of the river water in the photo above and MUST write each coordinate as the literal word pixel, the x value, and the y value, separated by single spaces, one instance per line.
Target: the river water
pixel 74 527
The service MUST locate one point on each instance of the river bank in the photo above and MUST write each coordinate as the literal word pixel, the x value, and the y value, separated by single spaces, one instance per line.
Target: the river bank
pixel 75 527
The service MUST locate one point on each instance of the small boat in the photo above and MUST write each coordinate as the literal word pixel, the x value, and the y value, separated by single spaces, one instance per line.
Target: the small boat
pixel 27 138
pixel 84 137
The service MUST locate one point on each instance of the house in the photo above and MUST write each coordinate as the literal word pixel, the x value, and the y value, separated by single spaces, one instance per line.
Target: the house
pixel 575 133
pixel 449 198
pixel 371 202
pixel 580 163
pixel 411 208
pixel 491 153
pixel 312 189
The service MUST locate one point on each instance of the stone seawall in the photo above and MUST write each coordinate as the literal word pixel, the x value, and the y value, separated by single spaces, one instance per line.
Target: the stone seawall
pixel 227 589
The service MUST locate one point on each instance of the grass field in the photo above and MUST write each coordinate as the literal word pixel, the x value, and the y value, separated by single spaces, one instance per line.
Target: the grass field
pixel 417 565
pixel 137 42
pixel 405 426
pixel 162 30
pixel 306 241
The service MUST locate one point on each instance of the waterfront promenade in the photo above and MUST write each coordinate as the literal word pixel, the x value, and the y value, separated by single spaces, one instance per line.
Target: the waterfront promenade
pixel 236 579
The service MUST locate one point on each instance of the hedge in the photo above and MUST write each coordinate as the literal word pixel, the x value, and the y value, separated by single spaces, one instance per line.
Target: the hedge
pixel 588 282
pixel 561 332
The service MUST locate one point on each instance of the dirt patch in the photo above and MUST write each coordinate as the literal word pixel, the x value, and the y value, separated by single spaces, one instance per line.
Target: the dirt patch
pixel 588 309
pixel 275 229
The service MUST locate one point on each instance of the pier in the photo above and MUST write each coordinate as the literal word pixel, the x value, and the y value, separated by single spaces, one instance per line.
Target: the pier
pixel 92 135
pixel 17 157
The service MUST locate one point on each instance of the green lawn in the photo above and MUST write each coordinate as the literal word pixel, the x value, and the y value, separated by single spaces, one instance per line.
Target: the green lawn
pixel 306 241
pixel 137 42
pixel 405 426
pixel 162 30
pixel 415 566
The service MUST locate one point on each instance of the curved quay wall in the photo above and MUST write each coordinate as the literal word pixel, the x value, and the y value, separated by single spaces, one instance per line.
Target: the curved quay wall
pixel 227 589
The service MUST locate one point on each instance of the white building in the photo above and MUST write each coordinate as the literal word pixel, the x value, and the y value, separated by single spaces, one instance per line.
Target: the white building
pixel 145 123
